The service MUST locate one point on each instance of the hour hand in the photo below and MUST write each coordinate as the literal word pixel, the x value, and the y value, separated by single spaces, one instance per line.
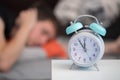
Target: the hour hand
pixel 81 43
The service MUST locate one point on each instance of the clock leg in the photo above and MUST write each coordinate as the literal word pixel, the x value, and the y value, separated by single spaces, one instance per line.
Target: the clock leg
pixel 72 66
pixel 95 65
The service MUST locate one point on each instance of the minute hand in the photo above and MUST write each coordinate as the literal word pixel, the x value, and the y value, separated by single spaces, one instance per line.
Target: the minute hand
pixel 84 45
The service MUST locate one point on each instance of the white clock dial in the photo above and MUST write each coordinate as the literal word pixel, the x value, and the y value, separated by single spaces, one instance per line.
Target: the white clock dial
pixel 84 49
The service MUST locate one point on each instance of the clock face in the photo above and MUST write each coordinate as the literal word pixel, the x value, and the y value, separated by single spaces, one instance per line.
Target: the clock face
pixel 84 49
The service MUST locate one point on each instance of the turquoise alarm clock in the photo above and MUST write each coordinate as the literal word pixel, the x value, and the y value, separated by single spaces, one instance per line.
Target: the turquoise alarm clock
pixel 86 46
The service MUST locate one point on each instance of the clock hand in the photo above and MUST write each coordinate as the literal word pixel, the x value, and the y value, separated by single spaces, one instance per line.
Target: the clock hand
pixel 85 46
pixel 81 43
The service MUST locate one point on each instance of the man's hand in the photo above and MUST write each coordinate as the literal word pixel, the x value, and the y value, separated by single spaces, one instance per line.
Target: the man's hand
pixel 113 46
pixel 117 45
pixel 27 18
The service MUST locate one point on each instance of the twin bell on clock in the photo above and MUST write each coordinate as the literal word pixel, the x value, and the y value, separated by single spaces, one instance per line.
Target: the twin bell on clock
pixel 95 26
pixel 86 46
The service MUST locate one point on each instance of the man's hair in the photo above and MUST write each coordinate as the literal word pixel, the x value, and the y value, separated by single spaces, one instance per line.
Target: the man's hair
pixel 45 13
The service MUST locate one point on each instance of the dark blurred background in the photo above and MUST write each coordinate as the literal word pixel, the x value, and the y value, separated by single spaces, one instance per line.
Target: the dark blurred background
pixel 17 5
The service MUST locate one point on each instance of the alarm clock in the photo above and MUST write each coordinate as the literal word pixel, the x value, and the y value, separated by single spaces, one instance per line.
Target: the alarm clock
pixel 86 46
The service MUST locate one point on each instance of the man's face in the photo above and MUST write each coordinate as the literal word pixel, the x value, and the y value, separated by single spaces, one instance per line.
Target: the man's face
pixel 42 32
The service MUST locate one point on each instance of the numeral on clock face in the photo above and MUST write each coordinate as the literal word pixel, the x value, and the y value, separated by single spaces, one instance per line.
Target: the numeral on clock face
pixel 75 54
pixel 73 49
pixel 79 58
pixel 84 60
pixel 93 55
pixel 75 44
pixel 90 58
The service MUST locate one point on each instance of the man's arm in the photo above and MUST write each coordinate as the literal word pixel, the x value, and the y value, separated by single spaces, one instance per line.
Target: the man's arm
pixel 10 51
pixel 112 46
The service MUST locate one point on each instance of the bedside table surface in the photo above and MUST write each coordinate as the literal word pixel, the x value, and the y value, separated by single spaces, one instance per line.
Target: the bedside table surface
pixel 108 70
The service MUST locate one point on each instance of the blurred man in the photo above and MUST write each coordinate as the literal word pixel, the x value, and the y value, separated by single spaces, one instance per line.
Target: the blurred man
pixel 34 26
